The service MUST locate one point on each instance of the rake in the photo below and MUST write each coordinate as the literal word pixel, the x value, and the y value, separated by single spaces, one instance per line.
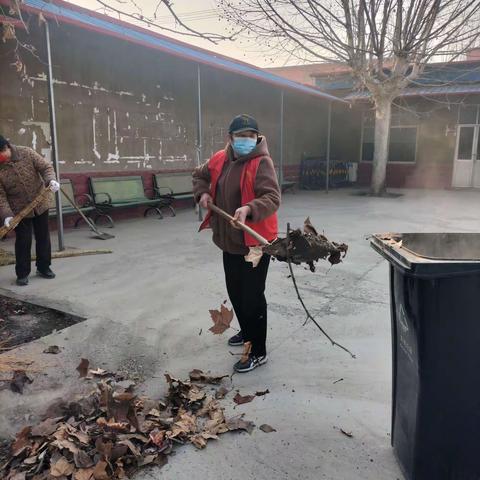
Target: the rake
pixel 98 234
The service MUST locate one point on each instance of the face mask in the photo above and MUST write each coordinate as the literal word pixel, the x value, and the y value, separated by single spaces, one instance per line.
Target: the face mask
pixel 243 145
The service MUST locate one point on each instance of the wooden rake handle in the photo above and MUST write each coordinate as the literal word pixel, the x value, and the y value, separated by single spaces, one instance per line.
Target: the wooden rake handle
pixel 263 241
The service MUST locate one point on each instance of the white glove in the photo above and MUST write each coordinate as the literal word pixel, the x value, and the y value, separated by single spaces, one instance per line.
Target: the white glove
pixel 54 186
pixel 7 221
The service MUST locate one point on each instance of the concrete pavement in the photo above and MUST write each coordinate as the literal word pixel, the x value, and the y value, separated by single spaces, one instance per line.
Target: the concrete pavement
pixel 146 303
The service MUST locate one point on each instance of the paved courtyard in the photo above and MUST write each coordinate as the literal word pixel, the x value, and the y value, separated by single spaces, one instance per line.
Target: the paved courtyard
pixel 147 302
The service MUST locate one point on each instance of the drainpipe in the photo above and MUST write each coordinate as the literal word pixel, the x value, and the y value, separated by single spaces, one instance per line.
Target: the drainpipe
pixel 329 128
pixel 280 180
pixel 198 146
pixel 53 136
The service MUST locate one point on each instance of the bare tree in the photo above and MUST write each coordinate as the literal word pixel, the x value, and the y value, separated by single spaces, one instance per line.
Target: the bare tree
pixel 386 43
pixel 123 9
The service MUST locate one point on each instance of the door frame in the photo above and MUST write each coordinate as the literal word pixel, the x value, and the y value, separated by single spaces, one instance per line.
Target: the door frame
pixel 475 145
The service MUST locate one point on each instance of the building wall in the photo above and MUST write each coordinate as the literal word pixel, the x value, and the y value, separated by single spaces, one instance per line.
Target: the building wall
pixel 436 142
pixel 124 109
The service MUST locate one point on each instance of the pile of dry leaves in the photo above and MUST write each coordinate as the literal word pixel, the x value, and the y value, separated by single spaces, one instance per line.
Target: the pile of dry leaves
pixel 112 432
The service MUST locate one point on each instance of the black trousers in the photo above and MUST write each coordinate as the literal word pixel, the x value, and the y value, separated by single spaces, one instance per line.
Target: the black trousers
pixel 246 289
pixel 23 244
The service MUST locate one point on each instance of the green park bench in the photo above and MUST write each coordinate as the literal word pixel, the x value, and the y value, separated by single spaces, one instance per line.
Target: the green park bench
pixel 173 186
pixel 110 193
pixel 83 201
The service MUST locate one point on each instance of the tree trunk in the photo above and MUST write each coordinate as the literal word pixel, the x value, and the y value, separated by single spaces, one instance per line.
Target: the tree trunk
pixel 380 155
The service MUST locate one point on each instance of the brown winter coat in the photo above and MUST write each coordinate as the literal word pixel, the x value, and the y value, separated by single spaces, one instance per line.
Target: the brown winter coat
pixel 228 195
pixel 21 180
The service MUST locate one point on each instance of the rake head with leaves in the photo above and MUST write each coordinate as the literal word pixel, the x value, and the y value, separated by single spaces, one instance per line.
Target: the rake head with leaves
pixel 306 247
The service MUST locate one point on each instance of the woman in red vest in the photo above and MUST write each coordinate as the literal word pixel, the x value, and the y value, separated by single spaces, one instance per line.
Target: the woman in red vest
pixel 241 180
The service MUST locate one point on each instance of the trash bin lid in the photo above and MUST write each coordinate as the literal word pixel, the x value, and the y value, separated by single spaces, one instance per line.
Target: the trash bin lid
pixel 430 254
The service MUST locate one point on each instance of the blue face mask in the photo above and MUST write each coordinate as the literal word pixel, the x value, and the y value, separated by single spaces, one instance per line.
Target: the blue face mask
pixel 243 145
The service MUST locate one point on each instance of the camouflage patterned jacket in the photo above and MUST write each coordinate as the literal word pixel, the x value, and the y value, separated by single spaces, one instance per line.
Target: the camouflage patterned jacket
pixel 21 179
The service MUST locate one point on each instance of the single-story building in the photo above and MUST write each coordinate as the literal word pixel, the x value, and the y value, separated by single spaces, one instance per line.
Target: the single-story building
pixel 127 98
pixel 435 128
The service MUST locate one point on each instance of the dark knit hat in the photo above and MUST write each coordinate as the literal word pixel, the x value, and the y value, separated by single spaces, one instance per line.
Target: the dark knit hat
pixel 243 123
pixel 3 143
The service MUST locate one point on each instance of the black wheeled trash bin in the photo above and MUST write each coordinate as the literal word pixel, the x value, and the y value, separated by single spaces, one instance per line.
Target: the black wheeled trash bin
pixel 435 312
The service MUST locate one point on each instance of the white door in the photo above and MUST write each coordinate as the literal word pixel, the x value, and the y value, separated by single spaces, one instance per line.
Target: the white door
pixel 466 171
pixel 476 160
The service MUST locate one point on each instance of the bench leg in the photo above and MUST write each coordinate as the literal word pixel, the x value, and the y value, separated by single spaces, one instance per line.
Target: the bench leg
pixel 110 223
pixel 155 209
pixel 172 210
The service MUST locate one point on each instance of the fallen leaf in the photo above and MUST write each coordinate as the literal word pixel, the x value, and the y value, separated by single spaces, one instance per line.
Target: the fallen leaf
pixel 238 423
pixel 18 476
pixel 262 393
pixel 65 444
pixel 18 381
pixel 267 428
pixel 131 446
pixel 185 425
pixel 221 393
pixel 247 349
pixel 82 460
pixel 198 376
pixel 83 474
pixel 54 349
pixel 158 437
pixel 239 399
pixel 195 394
pixel 200 439
pixel 22 441
pixel 100 471
pixel 45 428
pixel 347 434
pixel 61 468
pixel 99 372
pixel 147 460
pixel 82 368
pixel 221 319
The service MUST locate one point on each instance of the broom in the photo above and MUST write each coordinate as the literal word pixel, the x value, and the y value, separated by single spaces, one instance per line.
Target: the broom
pixel 25 211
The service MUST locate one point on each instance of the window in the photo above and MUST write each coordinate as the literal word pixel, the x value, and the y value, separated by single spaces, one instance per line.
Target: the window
pixel 403 137
pixel 468 114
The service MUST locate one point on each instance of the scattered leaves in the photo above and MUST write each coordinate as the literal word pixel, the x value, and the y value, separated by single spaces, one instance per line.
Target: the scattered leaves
pixel 221 319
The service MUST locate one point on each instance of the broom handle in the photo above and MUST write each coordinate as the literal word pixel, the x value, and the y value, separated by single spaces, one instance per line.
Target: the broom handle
pixel 25 211
pixel 240 225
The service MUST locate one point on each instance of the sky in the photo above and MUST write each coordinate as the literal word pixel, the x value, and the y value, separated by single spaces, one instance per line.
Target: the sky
pixel 202 15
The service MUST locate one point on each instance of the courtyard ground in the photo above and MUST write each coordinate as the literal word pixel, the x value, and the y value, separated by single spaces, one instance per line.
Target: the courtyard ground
pixel 146 304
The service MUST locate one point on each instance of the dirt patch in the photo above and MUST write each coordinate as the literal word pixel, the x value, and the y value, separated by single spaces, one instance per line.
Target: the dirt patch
pixel 22 322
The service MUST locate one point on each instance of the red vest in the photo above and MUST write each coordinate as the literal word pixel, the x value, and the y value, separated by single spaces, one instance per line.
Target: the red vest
pixel 268 227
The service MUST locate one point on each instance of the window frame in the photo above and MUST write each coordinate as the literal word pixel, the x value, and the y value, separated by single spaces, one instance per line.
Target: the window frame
pixel 370 162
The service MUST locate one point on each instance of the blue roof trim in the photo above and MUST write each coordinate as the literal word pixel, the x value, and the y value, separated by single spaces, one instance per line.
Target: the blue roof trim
pixel 424 91
pixel 174 48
